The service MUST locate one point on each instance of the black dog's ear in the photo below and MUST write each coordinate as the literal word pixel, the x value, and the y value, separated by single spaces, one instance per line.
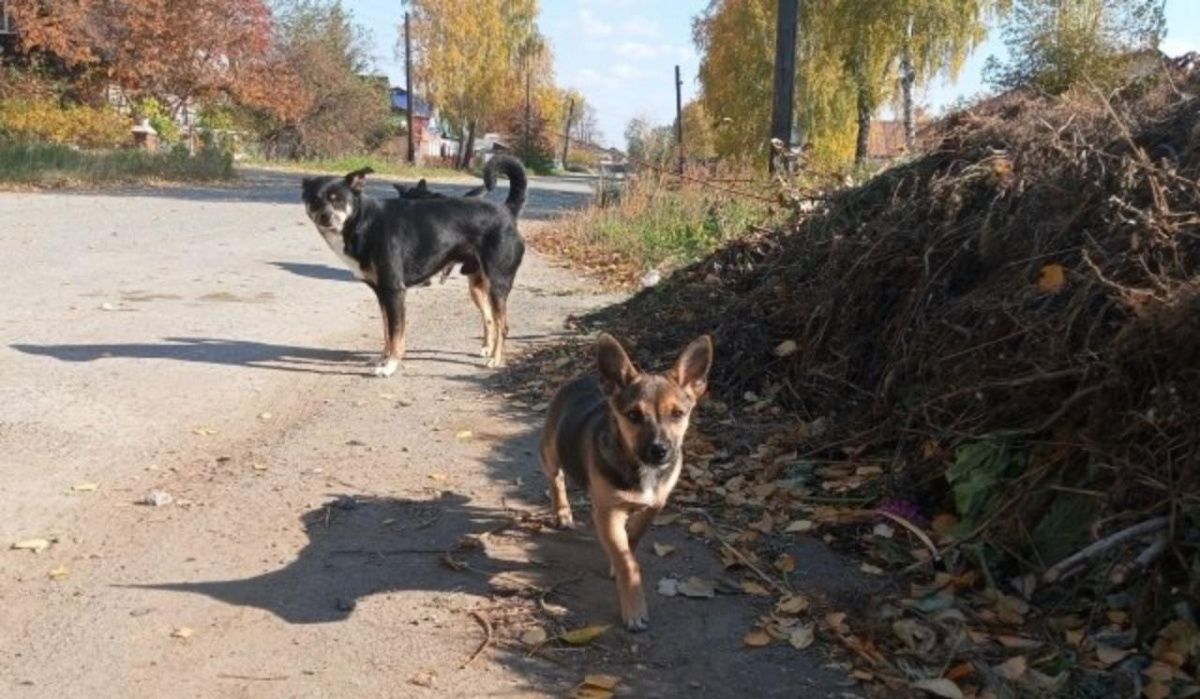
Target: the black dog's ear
pixel 357 178
pixel 691 369
pixel 616 371
pixel 422 185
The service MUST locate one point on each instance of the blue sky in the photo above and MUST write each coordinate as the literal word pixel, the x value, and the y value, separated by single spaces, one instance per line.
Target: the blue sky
pixel 622 53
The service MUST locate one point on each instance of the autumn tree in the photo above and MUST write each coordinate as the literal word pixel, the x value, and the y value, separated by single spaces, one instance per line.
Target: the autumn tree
pixel 1054 44
pixel 174 50
pixel 698 136
pixel 471 56
pixel 345 109
pixel 585 123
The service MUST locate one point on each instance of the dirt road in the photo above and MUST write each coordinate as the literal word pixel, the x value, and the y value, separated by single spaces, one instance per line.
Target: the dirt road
pixel 204 342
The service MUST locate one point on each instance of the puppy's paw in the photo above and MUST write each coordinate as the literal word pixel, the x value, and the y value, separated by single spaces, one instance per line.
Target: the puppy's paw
pixel 637 623
pixel 495 363
pixel 387 368
pixel 485 351
pixel 564 520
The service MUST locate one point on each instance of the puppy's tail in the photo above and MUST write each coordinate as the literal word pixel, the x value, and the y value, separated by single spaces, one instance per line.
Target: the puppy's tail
pixel 511 168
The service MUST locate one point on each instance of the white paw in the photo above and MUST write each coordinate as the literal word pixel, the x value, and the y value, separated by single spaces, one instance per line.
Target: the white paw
pixel 495 362
pixel 485 351
pixel 387 368
pixel 637 623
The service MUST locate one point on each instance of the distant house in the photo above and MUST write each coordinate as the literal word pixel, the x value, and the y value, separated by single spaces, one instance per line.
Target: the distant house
pixel 430 140
pixel 8 31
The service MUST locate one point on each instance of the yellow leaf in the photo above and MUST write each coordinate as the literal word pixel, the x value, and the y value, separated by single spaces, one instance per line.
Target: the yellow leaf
pixel 1052 278
pixel 785 563
pixel 602 681
pixel 589 692
pixel 85 487
pixel 757 638
pixel 182 632
pixel 793 604
pixel 534 637
pixel 59 573
pixel 464 434
pixel 204 431
pixel 264 416
pixel 939 687
pixel 752 588
pixel 1156 690
pixel 662 550
pixel 584 635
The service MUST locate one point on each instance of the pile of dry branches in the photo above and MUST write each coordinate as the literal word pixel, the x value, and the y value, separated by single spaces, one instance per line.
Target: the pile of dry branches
pixel 1029 285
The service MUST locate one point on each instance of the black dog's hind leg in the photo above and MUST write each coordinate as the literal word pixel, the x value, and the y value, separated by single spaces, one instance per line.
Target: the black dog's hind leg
pixel 478 286
pixel 392 301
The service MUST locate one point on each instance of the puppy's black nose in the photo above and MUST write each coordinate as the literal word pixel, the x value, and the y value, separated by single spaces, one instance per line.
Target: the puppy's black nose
pixel 658 452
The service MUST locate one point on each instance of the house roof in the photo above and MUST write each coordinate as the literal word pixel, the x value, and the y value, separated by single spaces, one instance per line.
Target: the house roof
pixel 400 102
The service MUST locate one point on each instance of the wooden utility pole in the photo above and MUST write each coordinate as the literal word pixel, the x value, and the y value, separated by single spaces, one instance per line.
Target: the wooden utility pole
pixel 528 112
pixel 408 85
pixel 567 132
pixel 785 76
pixel 679 118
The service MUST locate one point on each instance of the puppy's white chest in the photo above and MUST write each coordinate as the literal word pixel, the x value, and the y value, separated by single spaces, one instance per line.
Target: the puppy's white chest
pixel 335 242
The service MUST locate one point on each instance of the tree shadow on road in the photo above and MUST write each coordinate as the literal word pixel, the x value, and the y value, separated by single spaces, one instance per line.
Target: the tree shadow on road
pixel 316 271
pixel 207 350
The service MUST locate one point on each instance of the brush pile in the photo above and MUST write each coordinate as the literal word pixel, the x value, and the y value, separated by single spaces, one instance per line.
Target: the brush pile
pixel 1007 327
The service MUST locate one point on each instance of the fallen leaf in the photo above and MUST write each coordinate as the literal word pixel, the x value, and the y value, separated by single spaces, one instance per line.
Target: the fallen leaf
pixel 1018 642
pixel 258 467
pixel 918 637
pixel 602 681
pixel 939 687
pixel 800 525
pixel 757 638
pixel 961 670
pixel 792 604
pixel 871 569
pixel 1013 669
pixel 836 621
pixel 586 692
pixel 264 416
pixel 439 477
pixel 85 487
pixel 752 588
pixel 464 434
pixel 662 520
pixel 801 637
pixel 584 635
pixel 1159 672
pixel 662 550
pixel 534 637
pixel 1156 690
pixel 698 588
pixel 60 572
pixel 35 545
pixel 204 431
pixel 1110 656
pixel 786 348
pixel 883 530
pixel 424 678
pixel 182 632
pixel 785 563
pixel 1052 278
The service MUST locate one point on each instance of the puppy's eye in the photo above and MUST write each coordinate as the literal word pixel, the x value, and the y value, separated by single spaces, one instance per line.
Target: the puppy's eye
pixel 678 413
pixel 634 416
pixel 335 198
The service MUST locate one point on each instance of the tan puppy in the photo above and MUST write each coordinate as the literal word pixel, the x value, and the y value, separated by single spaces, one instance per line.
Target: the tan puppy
pixel 620 435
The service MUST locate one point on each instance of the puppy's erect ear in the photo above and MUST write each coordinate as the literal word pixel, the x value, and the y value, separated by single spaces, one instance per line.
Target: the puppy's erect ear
pixel 691 369
pixel 358 178
pixel 422 185
pixel 616 371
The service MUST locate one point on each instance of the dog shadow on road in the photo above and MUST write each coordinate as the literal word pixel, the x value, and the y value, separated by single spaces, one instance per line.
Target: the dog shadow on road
pixel 208 350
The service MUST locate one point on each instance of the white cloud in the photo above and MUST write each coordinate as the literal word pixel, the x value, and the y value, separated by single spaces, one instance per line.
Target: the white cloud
pixel 593 25
pixel 643 51
pixel 640 26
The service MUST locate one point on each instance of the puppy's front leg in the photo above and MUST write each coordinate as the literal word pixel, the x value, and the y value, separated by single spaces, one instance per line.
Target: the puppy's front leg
pixel 610 527
pixel 393 302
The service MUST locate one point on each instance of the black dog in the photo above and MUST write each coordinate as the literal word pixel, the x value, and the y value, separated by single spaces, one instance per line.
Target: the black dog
pixel 421 190
pixel 397 243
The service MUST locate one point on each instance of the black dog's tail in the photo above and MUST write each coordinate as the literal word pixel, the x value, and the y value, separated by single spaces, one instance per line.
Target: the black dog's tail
pixel 511 168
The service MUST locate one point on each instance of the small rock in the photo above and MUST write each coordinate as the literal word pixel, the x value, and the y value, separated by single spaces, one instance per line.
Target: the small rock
pixel 158 498
pixel 651 278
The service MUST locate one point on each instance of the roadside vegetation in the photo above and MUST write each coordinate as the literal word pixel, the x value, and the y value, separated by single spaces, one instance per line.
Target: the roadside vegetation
pixel 52 164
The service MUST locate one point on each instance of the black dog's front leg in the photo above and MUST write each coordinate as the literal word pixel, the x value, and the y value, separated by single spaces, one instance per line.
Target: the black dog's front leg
pixel 383 314
pixel 392 303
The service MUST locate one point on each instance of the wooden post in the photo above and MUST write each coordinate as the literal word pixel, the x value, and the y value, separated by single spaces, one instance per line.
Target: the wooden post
pixel 679 118
pixel 567 133
pixel 408 85
pixel 785 76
